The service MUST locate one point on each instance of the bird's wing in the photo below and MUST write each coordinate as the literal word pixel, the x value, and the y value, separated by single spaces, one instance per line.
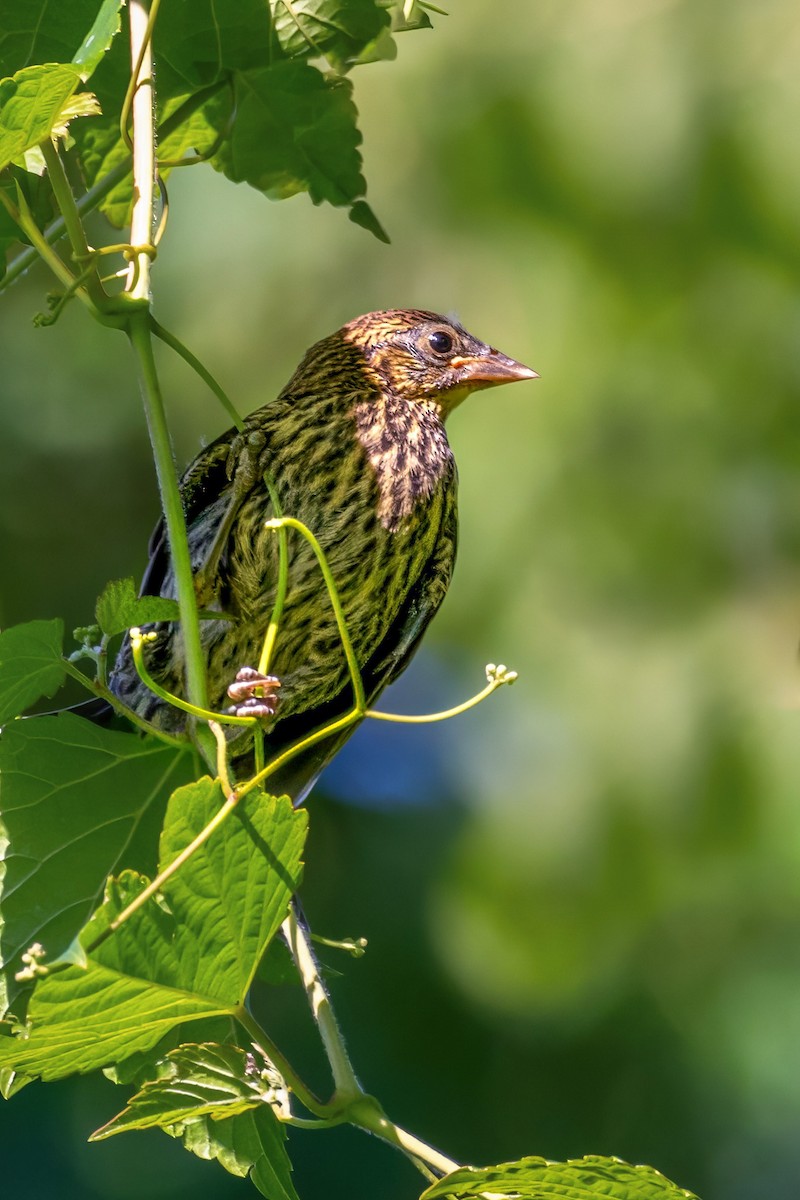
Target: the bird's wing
pixel 204 479
pixel 387 662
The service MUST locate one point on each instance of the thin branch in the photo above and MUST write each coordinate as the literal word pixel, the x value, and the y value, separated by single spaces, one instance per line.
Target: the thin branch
pixel 140 337
pixel 81 251
pixel 347 1087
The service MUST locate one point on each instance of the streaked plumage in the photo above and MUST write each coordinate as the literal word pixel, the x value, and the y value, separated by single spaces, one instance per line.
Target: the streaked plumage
pixel 357 450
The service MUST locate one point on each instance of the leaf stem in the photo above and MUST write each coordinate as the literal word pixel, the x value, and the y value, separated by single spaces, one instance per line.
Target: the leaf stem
pixel 22 217
pixel 194 362
pixel 333 594
pixel 72 221
pixel 283 583
pixel 104 693
pixel 497 677
pixel 262 1039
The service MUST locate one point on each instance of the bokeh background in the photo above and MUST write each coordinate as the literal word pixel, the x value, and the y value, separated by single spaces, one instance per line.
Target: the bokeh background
pixel 583 899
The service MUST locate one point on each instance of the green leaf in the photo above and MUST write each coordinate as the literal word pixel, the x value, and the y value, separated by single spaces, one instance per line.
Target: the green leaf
pixel 187 955
pixel 73 799
pixel 251 1143
pixel 31 102
pixel 93 48
pixel 295 131
pixel 46 31
pixel 589 1178
pixel 406 17
pixel 119 608
pixel 243 877
pixel 31 665
pixel 202 40
pixel 208 1080
pixel 361 214
pixel 338 29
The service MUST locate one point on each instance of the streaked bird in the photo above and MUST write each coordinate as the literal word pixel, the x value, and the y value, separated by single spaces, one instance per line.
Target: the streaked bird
pixel 356 449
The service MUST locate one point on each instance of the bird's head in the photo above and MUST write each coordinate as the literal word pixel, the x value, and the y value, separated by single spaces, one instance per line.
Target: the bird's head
pixel 421 357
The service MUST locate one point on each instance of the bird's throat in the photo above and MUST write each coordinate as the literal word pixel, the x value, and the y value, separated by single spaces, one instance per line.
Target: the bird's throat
pixel 407 448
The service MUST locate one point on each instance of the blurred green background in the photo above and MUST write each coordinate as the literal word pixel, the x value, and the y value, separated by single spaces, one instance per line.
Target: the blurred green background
pixel 583 899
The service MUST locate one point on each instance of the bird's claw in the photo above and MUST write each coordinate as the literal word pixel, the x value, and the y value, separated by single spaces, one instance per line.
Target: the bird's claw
pixel 254 693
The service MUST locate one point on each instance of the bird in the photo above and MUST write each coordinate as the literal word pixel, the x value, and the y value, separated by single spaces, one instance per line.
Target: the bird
pixel 355 448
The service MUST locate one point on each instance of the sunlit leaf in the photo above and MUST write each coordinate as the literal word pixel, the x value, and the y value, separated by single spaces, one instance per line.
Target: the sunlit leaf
pixel 590 1178
pixel 184 956
pixel 208 1080
pixel 30 104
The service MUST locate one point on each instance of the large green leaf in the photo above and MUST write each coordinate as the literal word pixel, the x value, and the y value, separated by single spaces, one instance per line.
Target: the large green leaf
pixel 185 956
pixel 49 31
pixel 590 1178
pixel 31 103
pixel 73 798
pixel 217 1097
pixel 93 48
pixel 31 665
pixel 202 40
pixel 295 131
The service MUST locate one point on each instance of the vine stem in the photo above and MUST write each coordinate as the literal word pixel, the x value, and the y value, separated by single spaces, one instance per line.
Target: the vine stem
pixel 140 334
pixel 140 337
pixel 345 1083
pixel 356 1105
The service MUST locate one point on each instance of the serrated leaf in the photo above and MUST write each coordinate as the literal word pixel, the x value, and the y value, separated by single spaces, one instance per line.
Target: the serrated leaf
pixel 338 29
pixel 119 608
pixel 295 131
pixel 183 956
pixel 83 1020
pixel 206 1080
pixel 30 104
pixel 81 104
pixel 244 877
pixel 93 48
pixel 251 1143
pixel 73 798
pixel 31 665
pixel 591 1178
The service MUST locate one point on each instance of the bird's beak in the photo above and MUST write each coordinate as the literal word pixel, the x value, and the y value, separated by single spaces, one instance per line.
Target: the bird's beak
pixel 486 370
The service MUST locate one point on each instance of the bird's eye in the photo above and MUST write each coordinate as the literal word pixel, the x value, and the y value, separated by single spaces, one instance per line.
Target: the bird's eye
pixel 440 342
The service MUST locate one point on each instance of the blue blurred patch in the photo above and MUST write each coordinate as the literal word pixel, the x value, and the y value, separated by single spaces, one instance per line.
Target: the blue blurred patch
pixel 388 766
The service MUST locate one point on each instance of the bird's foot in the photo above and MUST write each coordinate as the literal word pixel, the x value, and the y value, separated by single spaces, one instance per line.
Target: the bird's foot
pixel 254 694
